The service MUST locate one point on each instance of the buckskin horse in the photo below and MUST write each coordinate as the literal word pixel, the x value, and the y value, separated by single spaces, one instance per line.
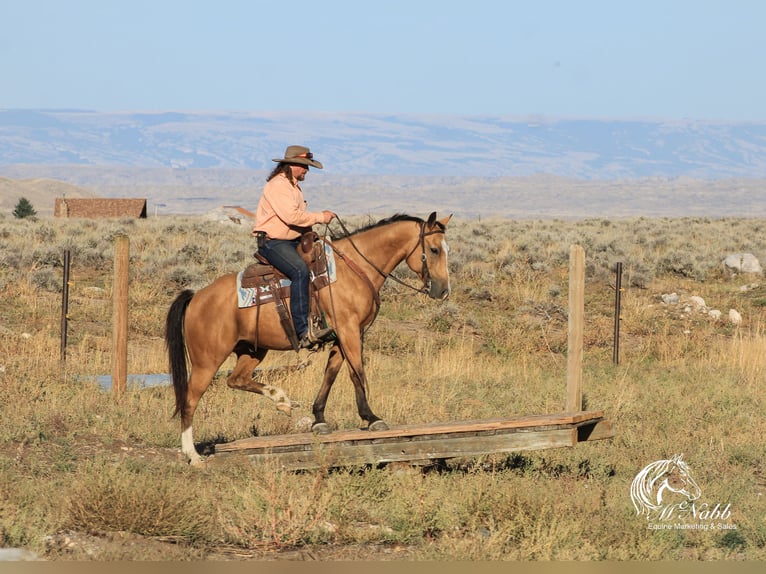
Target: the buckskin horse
pixel 207 326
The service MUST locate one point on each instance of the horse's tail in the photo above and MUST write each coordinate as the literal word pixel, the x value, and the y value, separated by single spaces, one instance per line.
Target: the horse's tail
pixel 174 340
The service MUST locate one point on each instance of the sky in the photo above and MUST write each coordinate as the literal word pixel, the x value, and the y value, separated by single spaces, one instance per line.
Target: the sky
pixel 651 59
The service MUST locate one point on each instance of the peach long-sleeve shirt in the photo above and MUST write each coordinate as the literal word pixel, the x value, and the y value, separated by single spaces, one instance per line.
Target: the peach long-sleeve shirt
pixel 281 212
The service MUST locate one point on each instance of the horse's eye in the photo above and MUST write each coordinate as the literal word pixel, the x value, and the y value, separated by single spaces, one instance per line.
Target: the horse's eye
pixel 434 250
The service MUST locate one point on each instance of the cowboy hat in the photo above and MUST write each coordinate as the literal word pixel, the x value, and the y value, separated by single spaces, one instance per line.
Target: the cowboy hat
pixel 300 155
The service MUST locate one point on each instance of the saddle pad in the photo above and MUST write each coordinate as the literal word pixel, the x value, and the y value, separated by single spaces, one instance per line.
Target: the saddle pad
pixel 251 296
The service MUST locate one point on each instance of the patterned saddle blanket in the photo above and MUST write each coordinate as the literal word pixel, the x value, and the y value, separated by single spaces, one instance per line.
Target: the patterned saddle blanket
pixel 256 284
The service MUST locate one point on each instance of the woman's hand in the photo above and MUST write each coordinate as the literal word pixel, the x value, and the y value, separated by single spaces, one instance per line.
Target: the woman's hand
pixel 328 216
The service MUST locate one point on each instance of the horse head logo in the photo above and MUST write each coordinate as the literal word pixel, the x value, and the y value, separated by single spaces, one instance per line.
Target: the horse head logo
pixel 657 480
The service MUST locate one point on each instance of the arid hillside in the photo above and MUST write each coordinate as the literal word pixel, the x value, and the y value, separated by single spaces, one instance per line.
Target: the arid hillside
pixel 199 191
pixel 40 193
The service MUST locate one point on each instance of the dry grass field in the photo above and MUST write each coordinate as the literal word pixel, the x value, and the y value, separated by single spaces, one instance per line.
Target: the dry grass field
pixel 85 475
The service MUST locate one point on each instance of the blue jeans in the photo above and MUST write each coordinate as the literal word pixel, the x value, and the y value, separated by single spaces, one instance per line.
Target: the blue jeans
pixel 283 254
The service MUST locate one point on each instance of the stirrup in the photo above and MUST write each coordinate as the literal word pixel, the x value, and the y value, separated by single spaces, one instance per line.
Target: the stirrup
pixel 319 335
pixel 314 337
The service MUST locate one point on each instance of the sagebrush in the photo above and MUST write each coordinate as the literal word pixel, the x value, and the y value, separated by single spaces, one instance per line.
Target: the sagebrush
pixel 79 464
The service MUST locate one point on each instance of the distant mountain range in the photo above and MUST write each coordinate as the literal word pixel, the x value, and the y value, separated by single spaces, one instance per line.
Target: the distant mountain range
pixel 174 157
pixel 374 144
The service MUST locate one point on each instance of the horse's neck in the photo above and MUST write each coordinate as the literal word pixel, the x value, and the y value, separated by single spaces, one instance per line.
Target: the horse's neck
pixel 384 247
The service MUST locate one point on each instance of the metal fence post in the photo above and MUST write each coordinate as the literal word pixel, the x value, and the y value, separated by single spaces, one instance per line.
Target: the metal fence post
pixel 64 309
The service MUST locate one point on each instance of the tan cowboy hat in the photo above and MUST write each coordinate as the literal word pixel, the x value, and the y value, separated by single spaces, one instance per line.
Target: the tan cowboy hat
pixel 300 155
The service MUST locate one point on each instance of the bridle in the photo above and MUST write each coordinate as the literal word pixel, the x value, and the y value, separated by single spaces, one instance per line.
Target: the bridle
pixel 425 274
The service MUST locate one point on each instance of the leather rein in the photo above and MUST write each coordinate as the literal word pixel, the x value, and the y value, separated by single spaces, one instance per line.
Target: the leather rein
pixel 425 274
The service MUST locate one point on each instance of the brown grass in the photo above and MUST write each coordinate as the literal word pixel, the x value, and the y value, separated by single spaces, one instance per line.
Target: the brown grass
pixel 85 475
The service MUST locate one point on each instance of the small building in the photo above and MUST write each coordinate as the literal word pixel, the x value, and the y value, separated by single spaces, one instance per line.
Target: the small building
pixel 99 207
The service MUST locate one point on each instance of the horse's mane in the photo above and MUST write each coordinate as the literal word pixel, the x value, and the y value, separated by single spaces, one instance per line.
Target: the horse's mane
pixel 393 219
pixel 641 490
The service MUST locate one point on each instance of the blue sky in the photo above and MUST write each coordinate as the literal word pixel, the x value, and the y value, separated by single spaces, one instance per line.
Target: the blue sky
pixel 666 59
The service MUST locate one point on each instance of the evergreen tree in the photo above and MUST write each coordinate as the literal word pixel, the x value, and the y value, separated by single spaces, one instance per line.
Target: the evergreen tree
pixel 24 209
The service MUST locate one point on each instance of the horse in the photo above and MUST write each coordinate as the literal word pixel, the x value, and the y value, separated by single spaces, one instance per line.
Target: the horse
pixel 204 328
pixel 651 484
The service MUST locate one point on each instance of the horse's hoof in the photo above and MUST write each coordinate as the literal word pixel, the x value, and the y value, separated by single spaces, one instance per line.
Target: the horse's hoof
pixel 285 408
pixel 321 428
pixel 378 426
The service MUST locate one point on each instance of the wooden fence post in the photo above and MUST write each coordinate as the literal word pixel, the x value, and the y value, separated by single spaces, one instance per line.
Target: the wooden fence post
pixel 120 315
pixel 617 313
pixel 575 333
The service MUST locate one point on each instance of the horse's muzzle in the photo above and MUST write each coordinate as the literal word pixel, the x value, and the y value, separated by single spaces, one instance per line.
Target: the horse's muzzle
pixel 438 290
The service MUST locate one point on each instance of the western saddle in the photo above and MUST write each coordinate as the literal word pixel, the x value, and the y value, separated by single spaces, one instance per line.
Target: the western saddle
pixel 271 284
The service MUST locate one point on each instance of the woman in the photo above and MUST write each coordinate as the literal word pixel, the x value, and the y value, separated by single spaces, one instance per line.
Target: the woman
pixel 280 220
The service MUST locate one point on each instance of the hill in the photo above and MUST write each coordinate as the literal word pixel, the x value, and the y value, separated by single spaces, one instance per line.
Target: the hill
pixel 198 191
pixel 39 192
pixel 473 166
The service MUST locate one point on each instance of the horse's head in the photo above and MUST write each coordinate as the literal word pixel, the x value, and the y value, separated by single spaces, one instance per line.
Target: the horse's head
pixel 660 478
pixel 679 480
pixel 429 257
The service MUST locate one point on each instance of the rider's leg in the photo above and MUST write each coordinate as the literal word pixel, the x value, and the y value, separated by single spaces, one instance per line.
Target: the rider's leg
pixel 283 255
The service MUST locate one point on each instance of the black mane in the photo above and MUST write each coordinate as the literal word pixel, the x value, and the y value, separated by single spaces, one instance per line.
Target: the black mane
pixel 393 219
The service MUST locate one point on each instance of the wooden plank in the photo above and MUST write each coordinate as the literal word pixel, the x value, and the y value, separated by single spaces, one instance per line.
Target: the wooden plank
pixel 420 449
pixel 595 430
pixel 307 439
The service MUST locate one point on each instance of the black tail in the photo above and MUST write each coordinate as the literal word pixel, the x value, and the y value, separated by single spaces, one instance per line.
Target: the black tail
pixel 174 341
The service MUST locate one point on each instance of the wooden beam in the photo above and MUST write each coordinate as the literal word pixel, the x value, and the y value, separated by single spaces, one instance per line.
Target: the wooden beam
pixel 556 419
pixel 427 442
pixel 597 430
pixel 420 449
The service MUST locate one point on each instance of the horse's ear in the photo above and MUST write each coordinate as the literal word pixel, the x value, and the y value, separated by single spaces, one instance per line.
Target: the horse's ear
pixel 677 459
pixel 442 222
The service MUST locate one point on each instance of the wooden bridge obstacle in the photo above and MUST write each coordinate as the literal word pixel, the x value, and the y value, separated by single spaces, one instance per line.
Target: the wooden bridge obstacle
pixel 432 442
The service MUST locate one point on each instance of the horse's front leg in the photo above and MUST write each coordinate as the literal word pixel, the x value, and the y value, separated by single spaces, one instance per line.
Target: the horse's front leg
pixel 334 363
pixel 353 352
pixel 241 378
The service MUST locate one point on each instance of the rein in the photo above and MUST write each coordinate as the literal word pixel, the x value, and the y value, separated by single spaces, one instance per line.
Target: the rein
pixel 425 273
pixel 355 268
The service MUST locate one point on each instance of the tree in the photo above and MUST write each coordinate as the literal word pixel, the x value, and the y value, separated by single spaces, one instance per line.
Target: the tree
pixel 24 209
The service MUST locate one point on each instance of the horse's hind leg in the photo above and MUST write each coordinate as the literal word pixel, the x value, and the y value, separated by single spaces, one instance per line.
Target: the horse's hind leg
pixel 199 380
pixel 241 378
